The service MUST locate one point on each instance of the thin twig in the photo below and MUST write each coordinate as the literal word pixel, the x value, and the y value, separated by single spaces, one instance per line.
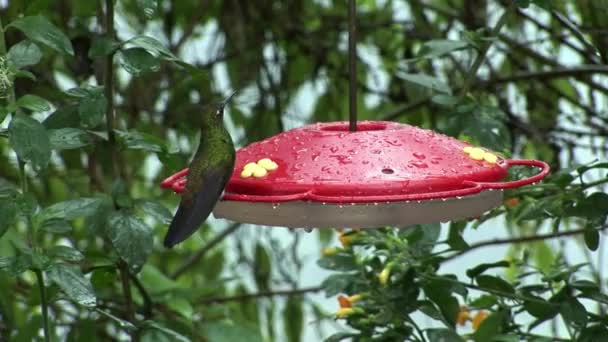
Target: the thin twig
pixel 204 250
pixel 484 50
pixel 126 289
pixel 265 294
pixel 516 240
pixel 148 303
pixel 44 304
pixel 109 88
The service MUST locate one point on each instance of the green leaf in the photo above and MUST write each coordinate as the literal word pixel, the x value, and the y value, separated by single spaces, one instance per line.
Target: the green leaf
pixel 592 238
pixel 171 335
pixel 153 46
pixel 540 308
pixel 135 140
pixel 263 267
pixel 8 213
pixel 68 138
pixel 156 282
pixel 426 81
pixel 102 46
pixel 92 109
pixel 40 29
pixel 593 333
pixel 443 335
pixel 148 7
pixel 73 283
pixel 71 209
pixel 455 240
pixel 490 327
pixel 137 61
pixel 155 209
pixel 66 253
pixel 293 318
pixel 30 141
pixel 479 269
pixel 34 103
pixel 485 301
pixel 439 47
pixel 230 332
pixel 24 53
pixel 132 239
pixel 56 226
pixel 573 312
pixel 341 261
pixel 337 283
pixel 593 206
pixel 494 283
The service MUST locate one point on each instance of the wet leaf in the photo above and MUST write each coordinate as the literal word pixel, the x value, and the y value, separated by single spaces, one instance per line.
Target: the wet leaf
pixel 73 283
pixel 24 53
pixel 40 29
pixel 132 239
pixel 30 140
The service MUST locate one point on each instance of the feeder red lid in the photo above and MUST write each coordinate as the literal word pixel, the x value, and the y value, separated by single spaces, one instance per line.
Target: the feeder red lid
pixel 381 161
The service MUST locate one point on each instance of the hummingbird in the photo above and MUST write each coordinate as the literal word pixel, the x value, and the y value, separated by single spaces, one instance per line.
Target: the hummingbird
pixel 209 171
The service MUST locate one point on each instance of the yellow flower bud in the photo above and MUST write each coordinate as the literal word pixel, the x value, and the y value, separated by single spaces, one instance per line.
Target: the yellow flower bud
pixel 344 312
pixel 467 149
pixel 355 298
pixel 330 251
pixel 384 275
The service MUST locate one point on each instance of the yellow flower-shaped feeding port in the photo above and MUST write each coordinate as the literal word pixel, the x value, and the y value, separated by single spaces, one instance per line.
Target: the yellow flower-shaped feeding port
pixel 259 169
pixel 477 153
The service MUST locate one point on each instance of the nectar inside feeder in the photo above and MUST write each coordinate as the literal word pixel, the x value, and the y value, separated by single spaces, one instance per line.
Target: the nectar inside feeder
pixel 382 174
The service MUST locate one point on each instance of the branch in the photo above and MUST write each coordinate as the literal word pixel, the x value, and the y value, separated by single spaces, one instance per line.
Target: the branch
pixel 109 87
pixel 204 250
pixel 576 72
pixel 517 240
pixel 484 50
pixel 251 296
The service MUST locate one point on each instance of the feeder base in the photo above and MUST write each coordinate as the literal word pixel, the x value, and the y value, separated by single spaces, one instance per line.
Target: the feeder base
pixel 306 214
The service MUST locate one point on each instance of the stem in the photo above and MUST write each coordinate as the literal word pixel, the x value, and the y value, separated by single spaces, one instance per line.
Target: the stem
pixel 204 250
pixel 45 308
pixel 352 64
pixel 515 240
pixel 481 56
pixel 126 290
pixel 250 296
pixel 109 88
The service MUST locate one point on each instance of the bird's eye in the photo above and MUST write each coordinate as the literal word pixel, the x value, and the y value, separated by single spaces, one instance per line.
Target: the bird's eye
pixel 218 112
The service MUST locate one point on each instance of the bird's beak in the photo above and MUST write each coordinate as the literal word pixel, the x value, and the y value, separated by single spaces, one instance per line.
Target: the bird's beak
pixel 228 99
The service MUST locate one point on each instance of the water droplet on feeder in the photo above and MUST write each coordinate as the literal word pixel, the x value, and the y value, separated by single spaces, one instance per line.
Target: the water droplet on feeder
pixel 376 151
pixel 419 164
pixel 334 149
pixel 308 230
pixel 275 205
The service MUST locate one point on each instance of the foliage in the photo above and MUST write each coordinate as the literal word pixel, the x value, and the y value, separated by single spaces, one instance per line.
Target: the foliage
pixel 101 100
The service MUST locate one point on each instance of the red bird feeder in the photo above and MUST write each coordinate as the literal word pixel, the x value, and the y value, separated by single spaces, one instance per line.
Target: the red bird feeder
pixel 384 173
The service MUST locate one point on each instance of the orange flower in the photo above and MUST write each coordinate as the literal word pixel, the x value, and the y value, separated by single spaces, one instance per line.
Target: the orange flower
pixel 347 302
pixel 463 315
pixel 479 318
pixel 346 239
pixel 512 202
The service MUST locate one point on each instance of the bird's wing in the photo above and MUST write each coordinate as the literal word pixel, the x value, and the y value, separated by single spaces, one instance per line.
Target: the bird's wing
pixel 194 210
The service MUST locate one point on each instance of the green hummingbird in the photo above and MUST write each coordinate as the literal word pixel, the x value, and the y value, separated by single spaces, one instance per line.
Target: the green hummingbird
pixel 209 171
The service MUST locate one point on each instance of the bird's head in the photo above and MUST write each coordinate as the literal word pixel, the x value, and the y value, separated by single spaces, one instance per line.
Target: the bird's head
pixel 214 116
